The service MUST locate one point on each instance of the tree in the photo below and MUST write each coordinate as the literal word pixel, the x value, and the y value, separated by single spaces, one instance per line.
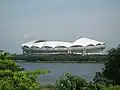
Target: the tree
pixel 5 55
pixel 12 77
pixel 112 67
pixel 111 71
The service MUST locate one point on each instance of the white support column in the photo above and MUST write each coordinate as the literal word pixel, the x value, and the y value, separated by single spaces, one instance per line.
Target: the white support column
pixel 69 51
pixel 84 51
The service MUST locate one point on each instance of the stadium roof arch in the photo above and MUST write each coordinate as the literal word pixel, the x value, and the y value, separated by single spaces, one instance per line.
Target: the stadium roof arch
pixel 54 44
pixel 63 44
pixel 29 44
pixel 86 42
pixel 39 44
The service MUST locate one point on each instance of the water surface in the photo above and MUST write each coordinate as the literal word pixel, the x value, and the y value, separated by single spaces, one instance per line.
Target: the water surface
pixel 85 70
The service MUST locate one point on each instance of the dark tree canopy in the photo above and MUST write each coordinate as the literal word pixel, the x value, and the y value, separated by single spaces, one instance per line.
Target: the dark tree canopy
pixel 112 67
pixel 111 71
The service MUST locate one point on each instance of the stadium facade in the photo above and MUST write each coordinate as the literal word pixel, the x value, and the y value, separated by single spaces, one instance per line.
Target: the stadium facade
pixel 80 46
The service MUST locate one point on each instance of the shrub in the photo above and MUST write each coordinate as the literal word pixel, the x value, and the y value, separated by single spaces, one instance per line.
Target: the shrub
pixel 111 87
pixel 12 77
pixel 72 82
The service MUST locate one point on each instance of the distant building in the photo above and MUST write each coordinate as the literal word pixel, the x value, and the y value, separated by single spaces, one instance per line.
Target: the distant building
pixel 80 46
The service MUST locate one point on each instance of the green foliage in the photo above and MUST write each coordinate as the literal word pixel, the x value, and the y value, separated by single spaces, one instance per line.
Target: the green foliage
pixel 12 77
pixel 111 71
pixel 72 82
pixel 112 67
pixel 48 87
pixel 17 81
pixel 111 87
pixel 101 79
pixel 9 64
pixel 5 55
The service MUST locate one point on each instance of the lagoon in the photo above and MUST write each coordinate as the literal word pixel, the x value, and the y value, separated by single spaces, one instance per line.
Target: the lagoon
pixel 85 70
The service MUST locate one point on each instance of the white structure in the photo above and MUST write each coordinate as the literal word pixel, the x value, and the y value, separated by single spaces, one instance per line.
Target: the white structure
pixel 82 45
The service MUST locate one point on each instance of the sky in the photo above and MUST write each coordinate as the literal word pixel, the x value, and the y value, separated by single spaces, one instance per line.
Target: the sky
pixel 65 20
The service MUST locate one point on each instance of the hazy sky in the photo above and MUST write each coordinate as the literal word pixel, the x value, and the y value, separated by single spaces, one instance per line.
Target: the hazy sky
pixel 67 20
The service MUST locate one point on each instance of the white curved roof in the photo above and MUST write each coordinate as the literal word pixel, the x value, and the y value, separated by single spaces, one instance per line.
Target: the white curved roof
pixel 29 44
pixel 66 44
pixel 54 44
pixel 40 44
pixel 85 41
pixel 50 44
pixel 82 42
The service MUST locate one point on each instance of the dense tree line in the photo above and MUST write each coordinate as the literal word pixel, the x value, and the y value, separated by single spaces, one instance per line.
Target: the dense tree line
pixel 61 57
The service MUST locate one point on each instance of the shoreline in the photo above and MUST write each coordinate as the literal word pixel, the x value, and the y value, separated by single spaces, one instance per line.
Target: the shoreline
pixel 60 58
pixel 60 61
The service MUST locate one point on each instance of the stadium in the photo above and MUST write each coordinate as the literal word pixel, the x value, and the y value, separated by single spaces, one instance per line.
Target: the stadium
pixel 80 46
